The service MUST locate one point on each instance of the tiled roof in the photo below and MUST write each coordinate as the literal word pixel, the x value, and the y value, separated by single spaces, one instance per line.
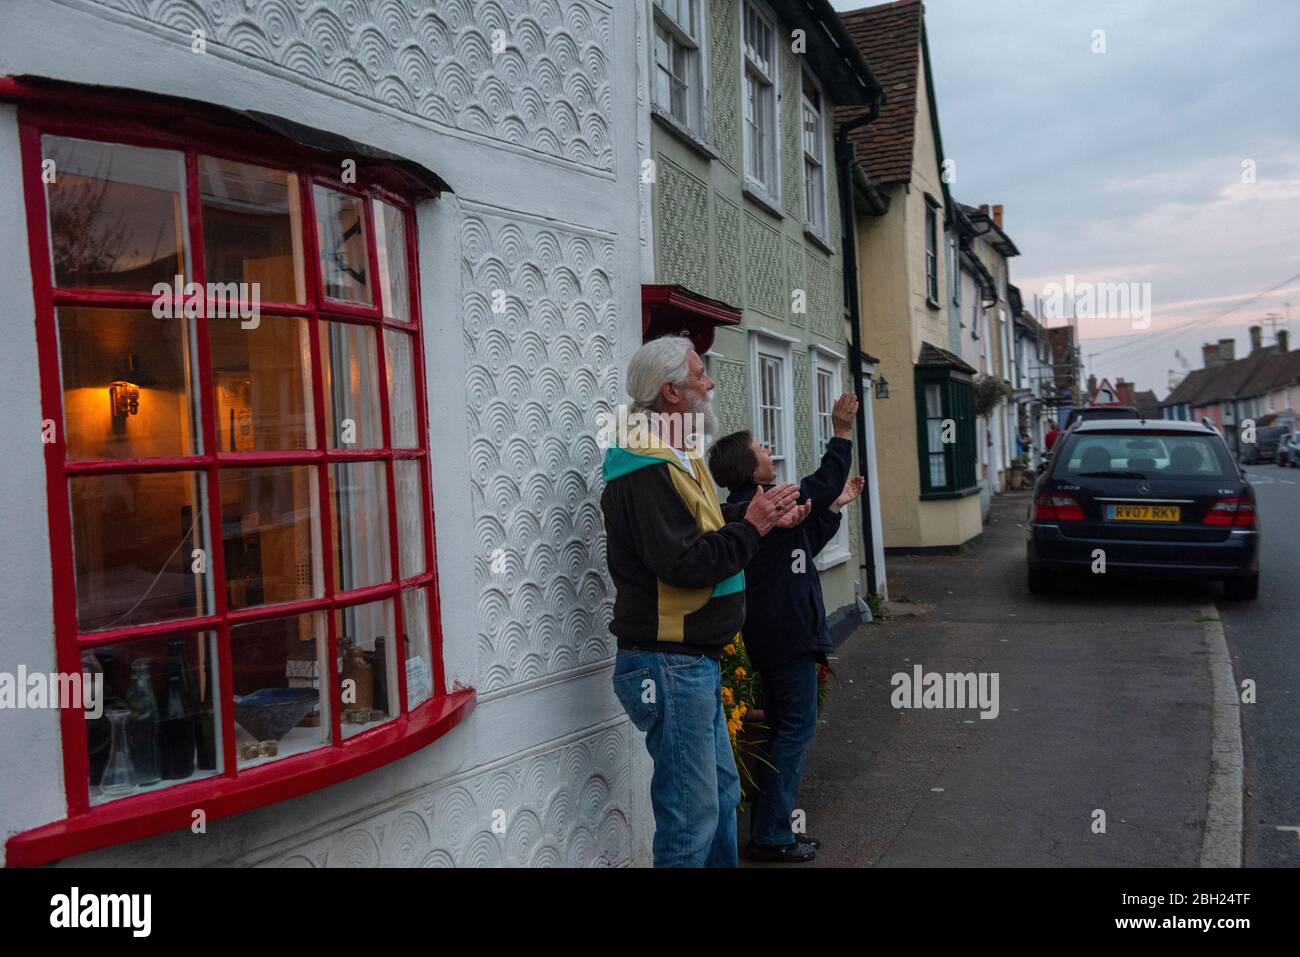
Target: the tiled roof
pixel 889 37
pixel 934 356
pixel 1148 405
pixel 1257 374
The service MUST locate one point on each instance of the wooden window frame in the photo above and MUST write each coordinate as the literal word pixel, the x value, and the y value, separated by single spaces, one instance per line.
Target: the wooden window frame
pixel 957 395
pixel 85 114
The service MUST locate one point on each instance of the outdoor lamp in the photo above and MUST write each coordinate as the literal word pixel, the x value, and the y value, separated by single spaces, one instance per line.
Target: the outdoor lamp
pixel 882 388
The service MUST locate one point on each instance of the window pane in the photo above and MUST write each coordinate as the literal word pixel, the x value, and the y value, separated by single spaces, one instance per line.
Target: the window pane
pixel 252 228
pixel 278 667
pixel 351 371
pixel 341 233
pixel 394 284
pixel 133 542
pixel 262 384
pixel 359 505
pixel 117 215
pixel 159 722
pixel 938 472
pixel 410 517
pixel 270 535
pixel 367 672
pixel 419 656
pixel 399 355
pixel 127 389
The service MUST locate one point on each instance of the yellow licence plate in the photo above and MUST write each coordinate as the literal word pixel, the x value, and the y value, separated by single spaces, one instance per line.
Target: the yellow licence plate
pixel 1143 513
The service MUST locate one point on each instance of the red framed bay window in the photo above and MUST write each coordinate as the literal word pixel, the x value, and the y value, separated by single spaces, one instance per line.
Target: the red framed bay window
pixel 238 484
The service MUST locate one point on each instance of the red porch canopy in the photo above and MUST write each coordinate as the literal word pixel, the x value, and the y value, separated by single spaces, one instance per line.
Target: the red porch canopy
pixel 668 310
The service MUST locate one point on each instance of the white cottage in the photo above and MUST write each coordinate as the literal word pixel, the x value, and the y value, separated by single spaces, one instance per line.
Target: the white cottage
pixel 423 219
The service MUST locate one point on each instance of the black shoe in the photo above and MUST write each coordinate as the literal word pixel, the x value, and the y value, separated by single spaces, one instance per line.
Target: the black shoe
pixel 793 853
pixel 810 841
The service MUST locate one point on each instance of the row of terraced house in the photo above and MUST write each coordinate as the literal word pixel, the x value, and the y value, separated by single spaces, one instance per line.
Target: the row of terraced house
pixel 464 217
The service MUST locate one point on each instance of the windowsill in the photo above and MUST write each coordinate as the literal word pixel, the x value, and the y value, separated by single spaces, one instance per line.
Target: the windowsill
pixel 147 815
pixel 819 240
pixel 960 493
pixel 825 562
pixel 687 136
pixel 763 199
pixel 933 303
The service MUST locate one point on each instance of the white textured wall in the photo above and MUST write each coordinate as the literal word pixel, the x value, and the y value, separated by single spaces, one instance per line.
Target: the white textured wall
pixel 538 144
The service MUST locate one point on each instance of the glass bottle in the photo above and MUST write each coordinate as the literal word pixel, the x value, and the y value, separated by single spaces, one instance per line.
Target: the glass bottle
pixel 118 773
pixel 176 733
pixel 142 728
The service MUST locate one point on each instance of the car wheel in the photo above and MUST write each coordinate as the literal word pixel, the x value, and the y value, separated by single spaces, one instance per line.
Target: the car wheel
pixel 1241 589
pixel 1040 582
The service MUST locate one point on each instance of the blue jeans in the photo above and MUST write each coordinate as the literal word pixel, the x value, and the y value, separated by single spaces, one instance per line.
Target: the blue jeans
pixel 790 713
pixel 677 701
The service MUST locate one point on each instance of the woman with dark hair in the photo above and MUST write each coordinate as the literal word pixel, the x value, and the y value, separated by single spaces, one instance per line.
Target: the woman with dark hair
pixel 785 629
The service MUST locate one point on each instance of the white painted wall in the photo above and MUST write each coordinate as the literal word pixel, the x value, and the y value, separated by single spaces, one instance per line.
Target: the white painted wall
pixel 540 196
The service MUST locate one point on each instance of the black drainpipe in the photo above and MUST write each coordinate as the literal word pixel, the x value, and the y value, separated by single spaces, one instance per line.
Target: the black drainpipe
pixel 844 173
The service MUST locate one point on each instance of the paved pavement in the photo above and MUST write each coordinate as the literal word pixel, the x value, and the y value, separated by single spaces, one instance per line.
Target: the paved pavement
pixel 1105 705
pixel 1264 640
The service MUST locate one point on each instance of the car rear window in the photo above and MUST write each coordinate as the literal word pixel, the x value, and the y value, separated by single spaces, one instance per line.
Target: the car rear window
pixel 1177 455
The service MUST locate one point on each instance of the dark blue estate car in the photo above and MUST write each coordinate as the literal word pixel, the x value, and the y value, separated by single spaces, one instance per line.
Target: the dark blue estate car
pixel 1157 497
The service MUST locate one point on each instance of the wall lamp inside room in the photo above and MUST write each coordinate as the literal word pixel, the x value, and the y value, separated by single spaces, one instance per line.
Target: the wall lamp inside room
pixel 124 393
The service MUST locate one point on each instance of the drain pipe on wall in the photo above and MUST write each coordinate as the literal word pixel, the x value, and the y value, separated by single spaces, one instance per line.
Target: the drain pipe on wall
pixel 878 206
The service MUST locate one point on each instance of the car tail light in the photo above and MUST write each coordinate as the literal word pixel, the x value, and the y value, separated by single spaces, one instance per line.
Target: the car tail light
pixel 1237 512
pixel 1057 507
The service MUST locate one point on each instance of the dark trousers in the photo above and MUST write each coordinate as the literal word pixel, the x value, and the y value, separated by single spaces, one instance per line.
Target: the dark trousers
pixel 790 711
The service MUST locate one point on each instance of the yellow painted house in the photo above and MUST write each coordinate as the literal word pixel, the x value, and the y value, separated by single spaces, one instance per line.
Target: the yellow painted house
pixel 925 431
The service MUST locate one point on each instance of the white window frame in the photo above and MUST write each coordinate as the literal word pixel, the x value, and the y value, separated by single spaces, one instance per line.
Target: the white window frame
pixel 818 225
pixel 824 361
pixel 690 39
pixel 764 346
pixel 932 248
pixel 768 187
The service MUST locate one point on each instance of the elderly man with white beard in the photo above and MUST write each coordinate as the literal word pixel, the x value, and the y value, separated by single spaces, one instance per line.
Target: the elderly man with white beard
pixel 677 559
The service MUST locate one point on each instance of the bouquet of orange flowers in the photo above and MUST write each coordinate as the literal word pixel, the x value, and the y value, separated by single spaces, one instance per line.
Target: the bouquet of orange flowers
pixel 741 694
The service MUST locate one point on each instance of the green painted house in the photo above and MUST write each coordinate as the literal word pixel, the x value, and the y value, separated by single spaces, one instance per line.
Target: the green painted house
pixel 741 224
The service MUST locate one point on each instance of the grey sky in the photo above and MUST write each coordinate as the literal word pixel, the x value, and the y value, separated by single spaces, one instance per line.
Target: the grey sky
pixel 1126 166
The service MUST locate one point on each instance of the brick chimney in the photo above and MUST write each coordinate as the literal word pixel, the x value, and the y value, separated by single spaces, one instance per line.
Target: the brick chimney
pixel 997 214
pixel 1227 350
pixel 1125 392
pixel 1256 338
pixel 984 208
pixel 1092 385
pixel 1282 341
pixel 1209 355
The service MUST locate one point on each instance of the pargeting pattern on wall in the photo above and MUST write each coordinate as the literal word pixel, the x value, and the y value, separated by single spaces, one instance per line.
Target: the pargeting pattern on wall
pixel 724 50
pixel 825 299
pixel 727 246
pixel 764 271
pixel 791 132
pixel 441 60
pixel 682 221
pixel 796 279
pixel 540 334
pixel 732 394
pixel 801 363
pixel 567 807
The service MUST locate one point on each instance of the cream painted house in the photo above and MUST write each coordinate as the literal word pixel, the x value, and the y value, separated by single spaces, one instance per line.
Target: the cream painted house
pixel 925 431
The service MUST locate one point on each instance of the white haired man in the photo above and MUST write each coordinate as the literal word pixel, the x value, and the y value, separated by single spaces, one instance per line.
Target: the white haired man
pixel 677 560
